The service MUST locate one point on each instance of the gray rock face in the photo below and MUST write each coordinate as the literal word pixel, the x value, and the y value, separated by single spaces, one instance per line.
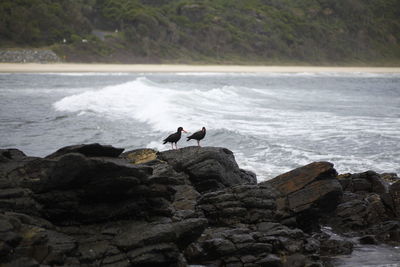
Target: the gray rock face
pixel 88 150
pixel 307 193
pixel 311 186
pixel 394 192
pixel 368 207
pixel 209 168
pixel 241 204
pixel 28 56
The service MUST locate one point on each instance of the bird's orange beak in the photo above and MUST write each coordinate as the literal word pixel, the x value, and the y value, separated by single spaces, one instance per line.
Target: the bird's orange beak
pixel 184 131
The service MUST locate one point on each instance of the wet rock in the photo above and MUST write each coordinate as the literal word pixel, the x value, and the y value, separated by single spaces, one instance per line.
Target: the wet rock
pixel 239 204
pixel 390 177
pixel 308 193
pixel 314 185
pixel 209 168
pixel 394 192
pixel 270 261
pixel 368 240
pixel 11 154
pixel 387 232
pixel 369 181
pixel 297 179
pixel 181 233
pixel 89 150
pixel 323 194
pixel 295 260
pixel 336 247
pixel 90 205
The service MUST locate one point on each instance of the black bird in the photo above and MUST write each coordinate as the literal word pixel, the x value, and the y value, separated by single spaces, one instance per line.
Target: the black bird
pixel 198 135
pixel 174 138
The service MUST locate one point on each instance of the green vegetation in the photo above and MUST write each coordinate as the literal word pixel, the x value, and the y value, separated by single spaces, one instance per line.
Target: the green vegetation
pixel 208 31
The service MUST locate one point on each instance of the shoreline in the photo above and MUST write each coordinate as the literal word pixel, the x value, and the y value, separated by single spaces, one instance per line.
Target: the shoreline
pixel 76 67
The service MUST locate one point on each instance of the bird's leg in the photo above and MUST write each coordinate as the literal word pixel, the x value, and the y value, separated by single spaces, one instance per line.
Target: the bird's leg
pixel 198 142
pixel 172 144
pixel 176 145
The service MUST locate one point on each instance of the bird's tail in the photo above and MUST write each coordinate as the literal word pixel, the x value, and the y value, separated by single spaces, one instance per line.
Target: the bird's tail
pixel 164 142
pixel 189 139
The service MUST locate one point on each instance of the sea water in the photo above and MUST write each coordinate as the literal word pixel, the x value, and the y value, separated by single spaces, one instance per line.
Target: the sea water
pixel 273 122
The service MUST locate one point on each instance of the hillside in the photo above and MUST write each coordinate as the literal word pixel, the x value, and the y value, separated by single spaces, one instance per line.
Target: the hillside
pixel 338 32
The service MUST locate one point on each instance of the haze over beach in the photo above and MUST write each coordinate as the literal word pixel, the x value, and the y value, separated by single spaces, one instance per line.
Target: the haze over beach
pixel 71 67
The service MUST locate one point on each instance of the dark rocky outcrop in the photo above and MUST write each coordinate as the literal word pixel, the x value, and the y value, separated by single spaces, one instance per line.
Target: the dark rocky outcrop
pixel 90 205
pixel 308 192
pixel 209 168
pixel 369 208
pixel 88 150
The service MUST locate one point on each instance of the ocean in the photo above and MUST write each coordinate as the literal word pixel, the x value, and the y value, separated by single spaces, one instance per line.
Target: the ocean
pixel 273 122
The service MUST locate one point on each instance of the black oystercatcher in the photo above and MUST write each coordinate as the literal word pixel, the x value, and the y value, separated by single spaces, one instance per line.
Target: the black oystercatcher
pixel 174 138
pixel 198 135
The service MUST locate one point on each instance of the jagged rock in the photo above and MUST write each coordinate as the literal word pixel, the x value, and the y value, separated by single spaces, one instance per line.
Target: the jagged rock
pixel 336 247
pixel 239 204
pixel 323 194
pixel 11 154
pixel 394 192
pixel 209 168
pixel 367 208
pixel 88 205
pixel 158 244
pixel 351 215
pixel 314 185
pixel 181 233
pixel 390 177
pixel 369 181
pixel 89 150
pixel 387 231
pixel 368 239
pixel 307 193
pixel 297 179
pixel 270 261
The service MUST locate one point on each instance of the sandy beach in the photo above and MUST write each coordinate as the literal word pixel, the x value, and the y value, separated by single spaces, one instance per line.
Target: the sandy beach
pixel 73 67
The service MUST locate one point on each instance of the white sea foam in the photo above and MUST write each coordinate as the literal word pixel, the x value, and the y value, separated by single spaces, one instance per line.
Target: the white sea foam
pixel 163 108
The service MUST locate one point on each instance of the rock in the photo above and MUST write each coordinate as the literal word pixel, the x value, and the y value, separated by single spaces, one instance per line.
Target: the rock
pixel 322 194
pixel 394 192
pixel 336 247
pixel 308 192
pixel 295 260
pixel 11 154
pixel 390 178
pixel 209 168
pixel 270 261
pixel 297 179
pixel 369 181
pixel 158 244
pixel 359 213
pixel 28 56
pixel 182 233
pixel 387 231
pixel 247 204
pixel 368 240
pixel 140 156
pixel 89 150
pixel 90 205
